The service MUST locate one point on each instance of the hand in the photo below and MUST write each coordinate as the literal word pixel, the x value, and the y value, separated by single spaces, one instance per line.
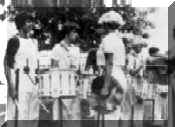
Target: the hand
pixel 132 72
pixel 104 91
pixel 115 97
pixel 118 97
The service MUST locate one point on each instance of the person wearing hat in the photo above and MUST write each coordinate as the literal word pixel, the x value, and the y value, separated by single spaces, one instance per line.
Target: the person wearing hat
pixel 112 43
pixel 108 105
pixel 135 62
pixel 20 64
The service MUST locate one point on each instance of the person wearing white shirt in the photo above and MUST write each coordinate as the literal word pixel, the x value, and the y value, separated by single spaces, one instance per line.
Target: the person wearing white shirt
pixel 112 45
pixel 65 54
pixel 21 61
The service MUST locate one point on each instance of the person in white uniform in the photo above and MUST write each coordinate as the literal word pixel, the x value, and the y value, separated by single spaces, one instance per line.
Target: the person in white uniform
pixel 65 55
pixel 20 67
pixel 112 43
pixel 135 67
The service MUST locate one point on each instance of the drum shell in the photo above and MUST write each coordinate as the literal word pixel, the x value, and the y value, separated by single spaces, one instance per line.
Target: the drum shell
pixel 57 82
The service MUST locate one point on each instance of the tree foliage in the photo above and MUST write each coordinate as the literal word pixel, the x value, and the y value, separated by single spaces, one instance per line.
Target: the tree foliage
pixel 87 18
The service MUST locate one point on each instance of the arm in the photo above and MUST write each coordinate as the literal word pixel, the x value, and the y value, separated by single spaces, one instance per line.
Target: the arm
pixel 55 56
pixel 11 80
pixel 9 61
pixel 130 65
pixel 116 93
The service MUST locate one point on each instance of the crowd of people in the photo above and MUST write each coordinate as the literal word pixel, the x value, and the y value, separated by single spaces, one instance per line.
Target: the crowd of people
pixel 116 55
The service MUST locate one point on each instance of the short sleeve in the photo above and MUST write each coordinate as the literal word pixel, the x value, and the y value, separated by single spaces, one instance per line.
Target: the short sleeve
pixel 106 45
pixel 11 51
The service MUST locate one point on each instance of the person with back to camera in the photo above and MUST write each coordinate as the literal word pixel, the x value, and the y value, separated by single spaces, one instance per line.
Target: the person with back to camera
pixel 112 44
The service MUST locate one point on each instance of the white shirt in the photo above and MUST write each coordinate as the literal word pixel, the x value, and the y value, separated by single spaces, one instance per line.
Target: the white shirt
pixel 28 50
pixel 112 43
pixel 65 56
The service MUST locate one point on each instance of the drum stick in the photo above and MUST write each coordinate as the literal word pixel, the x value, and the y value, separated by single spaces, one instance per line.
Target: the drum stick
pixel 33 82
pixel 16 103
pixel 60 83
pixel 50 85
pixel 16 100
pixel 69 84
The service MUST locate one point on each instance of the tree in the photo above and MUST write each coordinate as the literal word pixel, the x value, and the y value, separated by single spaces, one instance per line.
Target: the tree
pixel 136 19
pixel 87 19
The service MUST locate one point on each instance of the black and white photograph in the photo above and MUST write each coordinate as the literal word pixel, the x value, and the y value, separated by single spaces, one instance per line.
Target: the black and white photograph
pixel 171 55
pixel 83 63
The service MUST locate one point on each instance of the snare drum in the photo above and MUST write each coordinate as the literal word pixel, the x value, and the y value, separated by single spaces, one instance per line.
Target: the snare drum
pixel 85 85
pixel 57 82
pixel 45 84
pixel 63 82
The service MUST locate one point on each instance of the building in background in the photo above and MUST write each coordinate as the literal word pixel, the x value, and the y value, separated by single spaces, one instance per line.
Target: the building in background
pixel 70 3
pixel 121 2
pixel 79 3
pixel 124 2
pixel 115 3
pixel 20 3
pixel 44 3
pixel 34 3
pixel 58 3
pixel 23 3
pixel 98 3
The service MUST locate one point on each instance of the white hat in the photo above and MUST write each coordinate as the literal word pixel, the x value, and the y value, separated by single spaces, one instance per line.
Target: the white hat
pixel 2 9
pixel 138 41
pixel 111 16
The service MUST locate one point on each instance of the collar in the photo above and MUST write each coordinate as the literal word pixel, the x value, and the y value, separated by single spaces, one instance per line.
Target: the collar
pixel 64 45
